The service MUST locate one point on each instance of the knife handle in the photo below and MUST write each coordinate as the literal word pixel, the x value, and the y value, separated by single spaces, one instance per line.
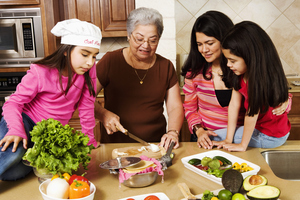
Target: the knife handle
pixel 126 131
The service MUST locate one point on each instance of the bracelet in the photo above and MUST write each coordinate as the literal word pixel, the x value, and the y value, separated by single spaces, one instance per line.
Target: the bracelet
pixel 173 130
pixel 196 127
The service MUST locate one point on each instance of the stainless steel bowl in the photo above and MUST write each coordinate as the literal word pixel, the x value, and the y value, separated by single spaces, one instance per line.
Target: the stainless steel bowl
pixel 141 180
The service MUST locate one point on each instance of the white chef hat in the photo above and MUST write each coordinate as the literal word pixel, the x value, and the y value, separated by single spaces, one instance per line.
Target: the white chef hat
pixel 79 33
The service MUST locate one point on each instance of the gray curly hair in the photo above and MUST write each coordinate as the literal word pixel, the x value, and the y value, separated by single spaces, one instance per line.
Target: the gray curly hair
pixel 144 16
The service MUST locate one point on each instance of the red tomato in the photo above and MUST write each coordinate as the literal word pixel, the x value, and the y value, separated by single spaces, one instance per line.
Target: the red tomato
pixel 151 197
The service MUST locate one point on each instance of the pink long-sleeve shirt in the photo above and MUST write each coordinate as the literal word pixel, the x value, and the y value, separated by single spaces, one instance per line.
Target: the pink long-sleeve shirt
pixel 39 95
pixel 202 106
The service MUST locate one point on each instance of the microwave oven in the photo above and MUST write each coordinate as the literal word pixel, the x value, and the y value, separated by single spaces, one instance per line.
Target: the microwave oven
pixel 21 37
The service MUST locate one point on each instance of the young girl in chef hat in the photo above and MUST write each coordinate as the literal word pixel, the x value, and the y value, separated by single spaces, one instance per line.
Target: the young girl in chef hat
pixel 257 75
pixel 53 87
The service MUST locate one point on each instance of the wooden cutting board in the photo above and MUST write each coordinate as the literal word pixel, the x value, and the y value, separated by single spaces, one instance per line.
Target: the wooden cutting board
pixel 137 151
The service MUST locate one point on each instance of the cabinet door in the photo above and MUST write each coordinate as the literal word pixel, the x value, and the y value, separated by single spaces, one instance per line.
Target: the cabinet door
pixel 85 10
pixel 114 15
pixel 19 2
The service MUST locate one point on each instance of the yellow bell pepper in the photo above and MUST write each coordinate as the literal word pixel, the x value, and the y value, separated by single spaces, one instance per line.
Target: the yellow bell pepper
pixel 65 176
pixel 243 167
pixel 247 169
pixel 214 198
pixel 236 166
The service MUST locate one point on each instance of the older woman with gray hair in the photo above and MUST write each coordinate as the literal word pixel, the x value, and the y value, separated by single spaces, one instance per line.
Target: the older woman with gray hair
pixel 137 82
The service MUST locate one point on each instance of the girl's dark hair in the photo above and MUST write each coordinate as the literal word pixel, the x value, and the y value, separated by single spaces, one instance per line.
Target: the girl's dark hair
pixel 61 60
pixel 267 84
pixel 213 24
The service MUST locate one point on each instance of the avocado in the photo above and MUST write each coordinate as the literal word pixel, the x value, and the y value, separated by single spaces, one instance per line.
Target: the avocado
pixel 253 181
pixel 264 192
pixel 232 180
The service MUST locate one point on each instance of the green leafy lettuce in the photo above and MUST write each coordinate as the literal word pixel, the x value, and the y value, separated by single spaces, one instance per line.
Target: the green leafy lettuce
pixel 58 148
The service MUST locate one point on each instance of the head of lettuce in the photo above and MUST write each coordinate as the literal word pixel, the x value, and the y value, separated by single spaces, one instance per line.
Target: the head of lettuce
pixel 58 148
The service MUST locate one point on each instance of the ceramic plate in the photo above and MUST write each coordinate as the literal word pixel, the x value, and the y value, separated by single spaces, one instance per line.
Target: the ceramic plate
pixel 215 193
pixel 213 153
pixel 160 195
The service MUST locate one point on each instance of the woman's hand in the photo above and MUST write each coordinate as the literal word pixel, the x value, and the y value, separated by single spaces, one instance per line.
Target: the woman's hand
pixel 167 138
pixel 7 140
pixel 111 122
pixel 203 138
pixel 234 147
pixel 220 144
pixel 279 110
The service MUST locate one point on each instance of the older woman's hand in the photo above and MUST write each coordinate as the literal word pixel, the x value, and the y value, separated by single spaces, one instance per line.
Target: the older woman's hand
pixel 167 138
pixel 111 122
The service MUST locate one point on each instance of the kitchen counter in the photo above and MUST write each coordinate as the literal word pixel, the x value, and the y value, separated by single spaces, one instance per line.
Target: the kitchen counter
pixel 108 184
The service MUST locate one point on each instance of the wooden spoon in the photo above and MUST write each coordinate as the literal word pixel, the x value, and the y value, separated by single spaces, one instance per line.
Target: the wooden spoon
pixel 186 191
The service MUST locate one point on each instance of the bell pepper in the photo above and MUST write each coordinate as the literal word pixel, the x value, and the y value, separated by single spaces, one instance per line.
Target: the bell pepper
pixel 236 166
pixel 78 178
pixel 78 189
pixel 247 169
pixel 65 176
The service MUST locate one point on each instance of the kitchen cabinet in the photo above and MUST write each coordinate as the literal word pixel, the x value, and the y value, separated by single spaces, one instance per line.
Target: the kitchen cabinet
pixel 19 2
pixel 109 15
pixel 294 117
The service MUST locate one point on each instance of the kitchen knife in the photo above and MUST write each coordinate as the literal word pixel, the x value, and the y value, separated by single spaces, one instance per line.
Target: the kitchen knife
pixel 134 137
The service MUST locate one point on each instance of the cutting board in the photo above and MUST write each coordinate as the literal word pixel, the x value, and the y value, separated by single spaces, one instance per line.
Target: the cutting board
pixel 137 151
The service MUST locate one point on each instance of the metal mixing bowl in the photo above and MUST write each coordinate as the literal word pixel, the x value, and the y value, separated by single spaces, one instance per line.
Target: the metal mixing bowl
pixel 141 180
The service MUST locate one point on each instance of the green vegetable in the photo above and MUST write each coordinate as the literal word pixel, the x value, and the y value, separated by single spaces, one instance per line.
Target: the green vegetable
pixel 205 161
pixel 214 164
pixel 58 148
pixel 224 160
pixel 217 172
pixel 194 161
pixel 207 195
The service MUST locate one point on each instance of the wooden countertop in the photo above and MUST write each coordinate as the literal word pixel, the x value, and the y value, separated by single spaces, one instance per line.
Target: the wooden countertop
pixel 108 185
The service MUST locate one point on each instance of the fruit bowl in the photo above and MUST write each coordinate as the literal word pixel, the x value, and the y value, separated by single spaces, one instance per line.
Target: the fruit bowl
pixel 43 189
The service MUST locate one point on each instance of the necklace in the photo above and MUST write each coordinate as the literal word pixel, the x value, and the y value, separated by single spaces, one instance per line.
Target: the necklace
pixel 141 79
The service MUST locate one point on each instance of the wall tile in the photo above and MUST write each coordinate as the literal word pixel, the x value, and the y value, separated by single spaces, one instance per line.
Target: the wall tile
pixel 282 4
pixel 193 6
pixel 182 16
pixel 237 5
pixel 292 58
pixel 284 34
pixel 262 12
pixel 293 13
pixel 218 5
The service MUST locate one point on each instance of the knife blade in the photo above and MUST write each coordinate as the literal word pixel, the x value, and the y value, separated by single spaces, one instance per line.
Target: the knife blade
pixel 134 137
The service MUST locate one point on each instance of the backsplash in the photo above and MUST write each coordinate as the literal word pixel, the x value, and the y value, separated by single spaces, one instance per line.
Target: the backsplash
pixel 280 19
